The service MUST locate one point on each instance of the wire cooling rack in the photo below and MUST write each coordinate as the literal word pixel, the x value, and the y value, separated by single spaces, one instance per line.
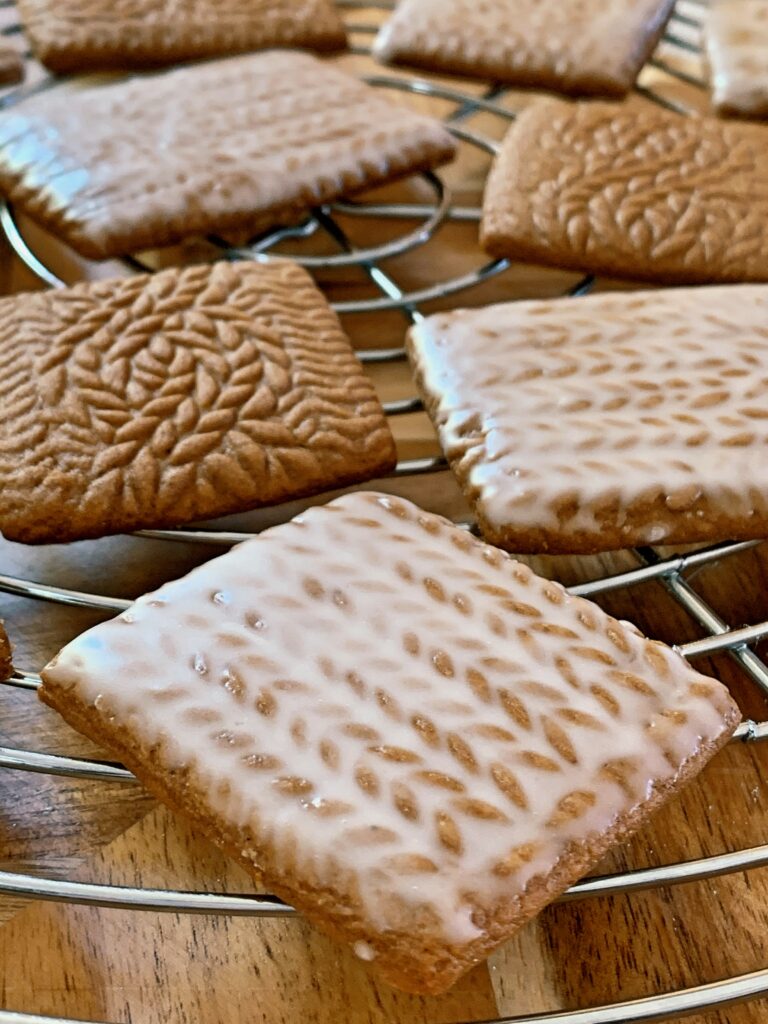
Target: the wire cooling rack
pixel 421 222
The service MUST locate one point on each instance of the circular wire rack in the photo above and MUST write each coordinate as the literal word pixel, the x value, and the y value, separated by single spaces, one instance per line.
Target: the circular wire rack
pixel 418 223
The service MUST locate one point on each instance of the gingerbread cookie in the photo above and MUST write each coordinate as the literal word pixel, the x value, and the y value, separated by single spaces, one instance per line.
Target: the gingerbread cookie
pixel 737 51
pixel 71 36
pixel 159 399
pixel 630 191
pixel 581 47
pixel 581 425
pixel 235 145
pixel 411 737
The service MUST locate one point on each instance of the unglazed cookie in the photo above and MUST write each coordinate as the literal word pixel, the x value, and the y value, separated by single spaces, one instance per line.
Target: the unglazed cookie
pixel 571 46
pixel 11 65
pixel 588 424
pixel 409 736
pixel 235 145
pixel 71 36
pixel 158 399
pixel 6 663
pixel 737 51
pixel 630 191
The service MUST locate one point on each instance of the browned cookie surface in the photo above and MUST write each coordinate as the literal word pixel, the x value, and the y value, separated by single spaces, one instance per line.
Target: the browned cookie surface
pixel 737 52
pixel 156 400
pixel 240 144
pixel 6 663
pixel 571 46
pixel 414 739
pixel 606 421
pixel 631 191
pixel 11 65
pixel 79 35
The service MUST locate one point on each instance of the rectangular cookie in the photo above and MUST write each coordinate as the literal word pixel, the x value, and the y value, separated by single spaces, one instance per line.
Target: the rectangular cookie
pixel 630 191
pixel 589 424
pixel 581 47
pixel 241 144
pixel 155 400
pixel 11 65
pixel 71 36
pixel 409 736
pixel 736 39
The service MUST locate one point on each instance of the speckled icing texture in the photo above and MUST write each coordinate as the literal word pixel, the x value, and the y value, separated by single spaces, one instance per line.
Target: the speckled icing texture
pixel 572 46
pixel 78 35
pixel 590 422
pixel 737 51
pixel 380 697
pixel 239 144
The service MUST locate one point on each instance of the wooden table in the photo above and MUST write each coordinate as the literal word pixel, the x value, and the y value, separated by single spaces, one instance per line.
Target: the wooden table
pixel 144 967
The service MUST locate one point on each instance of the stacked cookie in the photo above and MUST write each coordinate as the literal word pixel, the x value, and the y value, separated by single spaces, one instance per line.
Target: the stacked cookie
pixel 403 731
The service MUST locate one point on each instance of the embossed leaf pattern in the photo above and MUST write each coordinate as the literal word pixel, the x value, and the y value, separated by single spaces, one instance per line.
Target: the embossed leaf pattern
pixel 187 394
pixel 633 192
pixel 605 421
pixel 78 35
pixel 332 699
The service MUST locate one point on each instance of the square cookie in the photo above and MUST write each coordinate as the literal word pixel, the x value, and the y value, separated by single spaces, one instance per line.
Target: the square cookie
pixel 412 738
pixel 589 424
pixel 71 36
pixel 156 400
pixel 630 191
pixel 11 65
pixel 582 47
pixel 241 144
pixel 736 39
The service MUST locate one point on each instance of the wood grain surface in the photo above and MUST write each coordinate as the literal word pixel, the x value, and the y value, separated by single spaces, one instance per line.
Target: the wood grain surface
pixel 148 968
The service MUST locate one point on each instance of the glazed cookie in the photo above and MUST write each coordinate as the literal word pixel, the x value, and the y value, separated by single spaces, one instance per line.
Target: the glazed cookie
pixel 586 424
pixel 408 735
pixel 235 145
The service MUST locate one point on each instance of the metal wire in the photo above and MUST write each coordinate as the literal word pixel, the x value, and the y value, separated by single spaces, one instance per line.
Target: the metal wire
pixel 393 298
pixel 434 214
pixel 108 771
pixel 713 996
pixel 672 572
pixel 175 901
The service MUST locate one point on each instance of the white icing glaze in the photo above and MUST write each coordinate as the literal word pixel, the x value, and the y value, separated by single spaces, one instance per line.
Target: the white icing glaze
pixel 737 51
pixel 362 649
pixel 526 41
pixel 282 128
pixel 364 951
pixel 603 397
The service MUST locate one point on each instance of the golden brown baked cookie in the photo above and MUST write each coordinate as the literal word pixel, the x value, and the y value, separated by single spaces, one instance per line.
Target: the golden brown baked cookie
pixel 159 399
pixel 414 740
pixel 71 36
pixel 6 662
pixel 240 144
pixel 736 40
pixel 630 191
pixel 11 65
pixel 589 424
pixel 582 47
